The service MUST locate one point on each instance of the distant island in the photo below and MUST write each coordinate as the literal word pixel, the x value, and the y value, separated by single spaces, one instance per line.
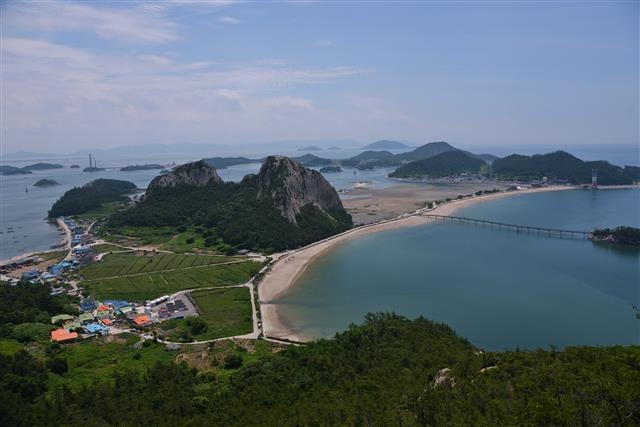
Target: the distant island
pixel 621 235
pixel 11 170
pixel 91 196
pixel 225 162
pixel 334 148
pixel 386 145
pixel 42 167
pixel 152 166
pixel 75 166
pixel 327 169
pixel 310 148
pixel 46 183
pixel 312 160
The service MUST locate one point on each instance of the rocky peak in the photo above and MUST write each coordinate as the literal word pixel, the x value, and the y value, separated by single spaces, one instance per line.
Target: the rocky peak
pixel 292 186
pixel 197 174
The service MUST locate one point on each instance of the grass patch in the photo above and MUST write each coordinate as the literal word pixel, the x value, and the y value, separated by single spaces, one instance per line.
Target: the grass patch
pixel 136 236
pixel 57 255
pixel 227 312
pixel 96 360
pixel 9 347
pixel 106 248
pixel 104 211
pixel 152 285
pixel 121 264
pixel 178 243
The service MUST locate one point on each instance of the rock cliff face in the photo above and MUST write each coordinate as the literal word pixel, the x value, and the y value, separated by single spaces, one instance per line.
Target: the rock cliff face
pixel 291 186
pixel 197 174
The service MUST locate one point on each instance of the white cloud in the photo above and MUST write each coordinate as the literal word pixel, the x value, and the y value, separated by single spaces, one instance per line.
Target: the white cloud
pixel 290 103
pixel 228 20
pixel 130 25
pixel 67 94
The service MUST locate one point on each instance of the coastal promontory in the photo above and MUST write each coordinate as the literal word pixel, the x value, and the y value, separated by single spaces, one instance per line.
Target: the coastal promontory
pixel 284 206
pixel 90 196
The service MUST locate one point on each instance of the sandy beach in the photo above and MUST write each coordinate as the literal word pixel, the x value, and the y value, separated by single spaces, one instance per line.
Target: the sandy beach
pixel 290 265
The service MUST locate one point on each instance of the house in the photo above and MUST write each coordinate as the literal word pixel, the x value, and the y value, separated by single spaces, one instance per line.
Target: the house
pixel 30 275
pixel 142 320
pixel 96 328
pixel 88 304
pixel 86 318
pixel 62 335
pixel 116 304
pixel 61 318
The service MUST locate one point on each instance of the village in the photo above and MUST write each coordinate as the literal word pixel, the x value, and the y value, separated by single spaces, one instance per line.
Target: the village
pixel 95 318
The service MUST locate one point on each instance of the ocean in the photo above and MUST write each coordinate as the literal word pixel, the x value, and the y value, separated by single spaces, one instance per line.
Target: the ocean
pixel 499 289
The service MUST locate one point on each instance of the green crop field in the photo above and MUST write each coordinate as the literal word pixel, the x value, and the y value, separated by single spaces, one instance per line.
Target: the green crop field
pixel 128 263
pixel 226 311
pixel 151 285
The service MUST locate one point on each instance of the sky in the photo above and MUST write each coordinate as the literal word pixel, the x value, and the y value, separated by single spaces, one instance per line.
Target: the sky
pixel 82 75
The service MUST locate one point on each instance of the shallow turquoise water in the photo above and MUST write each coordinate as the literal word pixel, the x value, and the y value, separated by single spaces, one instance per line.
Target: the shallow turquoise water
pixel 499 289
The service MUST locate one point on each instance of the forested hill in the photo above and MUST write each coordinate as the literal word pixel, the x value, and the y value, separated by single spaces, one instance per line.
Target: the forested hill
pixel 441 165
pixel 284 206
pixel 390 371
pixel 92 195
pixel 563 166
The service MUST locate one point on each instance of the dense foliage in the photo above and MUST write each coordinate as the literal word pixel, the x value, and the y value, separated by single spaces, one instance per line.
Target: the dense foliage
pixel 389 371
pixel 621 235
pixel 560 166
pixel 26 310
pixel 445 164
pixel 234 213
pixel 79 200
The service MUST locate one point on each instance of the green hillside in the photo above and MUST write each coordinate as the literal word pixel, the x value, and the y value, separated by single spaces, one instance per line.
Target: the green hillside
pixel 560 165
pixel 444 164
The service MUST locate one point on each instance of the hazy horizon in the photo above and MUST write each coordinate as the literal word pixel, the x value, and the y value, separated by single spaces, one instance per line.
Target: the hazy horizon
pixel 79 76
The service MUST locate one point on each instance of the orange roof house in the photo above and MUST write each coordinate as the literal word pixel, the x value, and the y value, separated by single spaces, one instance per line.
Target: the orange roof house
pixel 106 321
pixel 103 308
pixel 143 320
pixel 62 335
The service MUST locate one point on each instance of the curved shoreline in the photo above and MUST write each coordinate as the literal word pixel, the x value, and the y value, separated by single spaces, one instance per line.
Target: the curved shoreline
pixel 289 266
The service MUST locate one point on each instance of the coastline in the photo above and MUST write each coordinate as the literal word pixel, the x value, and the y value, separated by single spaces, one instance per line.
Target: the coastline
pixel 288 267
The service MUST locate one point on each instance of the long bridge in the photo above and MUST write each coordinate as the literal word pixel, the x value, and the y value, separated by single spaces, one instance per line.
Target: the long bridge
pixel 523 229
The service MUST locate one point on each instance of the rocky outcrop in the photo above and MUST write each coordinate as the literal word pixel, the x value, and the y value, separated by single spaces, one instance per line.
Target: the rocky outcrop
pixel 196 174
pixel 291 186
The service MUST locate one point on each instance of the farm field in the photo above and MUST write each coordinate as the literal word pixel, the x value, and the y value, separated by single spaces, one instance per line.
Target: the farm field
pixel 141 287
pixel 227 312
pixel 129 263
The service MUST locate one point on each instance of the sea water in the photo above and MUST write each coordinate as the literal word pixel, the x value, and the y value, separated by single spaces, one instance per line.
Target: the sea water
pixel 499 289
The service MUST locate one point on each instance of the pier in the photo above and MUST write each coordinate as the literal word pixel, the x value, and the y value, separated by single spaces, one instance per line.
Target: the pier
pixel 521 229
